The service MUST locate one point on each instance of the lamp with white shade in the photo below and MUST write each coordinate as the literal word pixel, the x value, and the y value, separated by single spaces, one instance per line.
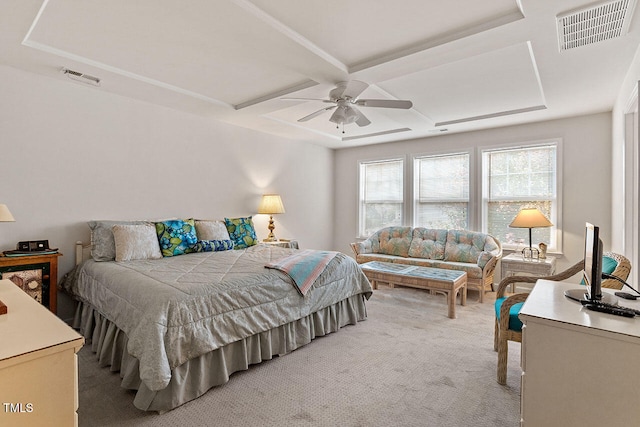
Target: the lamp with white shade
pixel 271 204
pixel 530 218
pixel 5 214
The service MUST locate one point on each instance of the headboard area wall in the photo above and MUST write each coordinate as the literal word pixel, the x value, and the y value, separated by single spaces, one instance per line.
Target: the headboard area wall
pixel 72 153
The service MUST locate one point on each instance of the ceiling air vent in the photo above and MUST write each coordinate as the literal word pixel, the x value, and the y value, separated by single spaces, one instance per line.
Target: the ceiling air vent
pixel 596 23
pixel 81 77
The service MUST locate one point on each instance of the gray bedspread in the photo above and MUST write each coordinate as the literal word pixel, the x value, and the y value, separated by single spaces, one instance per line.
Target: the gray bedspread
pixel 178 308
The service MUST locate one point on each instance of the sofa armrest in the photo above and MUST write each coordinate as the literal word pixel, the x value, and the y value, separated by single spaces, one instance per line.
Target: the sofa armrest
pixel 363 247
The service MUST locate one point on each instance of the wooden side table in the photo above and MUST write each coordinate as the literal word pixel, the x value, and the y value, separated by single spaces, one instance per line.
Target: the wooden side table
pixel 42 268
pixel 515 265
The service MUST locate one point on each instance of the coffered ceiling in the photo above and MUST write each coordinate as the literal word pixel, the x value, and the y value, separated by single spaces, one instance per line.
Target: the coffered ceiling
pixel 465 64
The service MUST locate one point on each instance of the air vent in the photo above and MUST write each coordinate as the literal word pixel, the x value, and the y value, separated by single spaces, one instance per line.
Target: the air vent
pixel 594 24
pixel 81 77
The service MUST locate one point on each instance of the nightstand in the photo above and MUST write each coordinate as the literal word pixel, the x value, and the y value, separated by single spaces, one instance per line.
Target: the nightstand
pixel 37 275
pixel 515 265
pixel 291 244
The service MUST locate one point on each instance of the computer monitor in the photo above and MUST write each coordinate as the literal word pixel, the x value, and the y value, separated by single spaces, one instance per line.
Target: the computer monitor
pixel 592 272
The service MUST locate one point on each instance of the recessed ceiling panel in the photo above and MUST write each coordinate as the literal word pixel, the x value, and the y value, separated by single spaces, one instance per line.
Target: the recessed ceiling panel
pixel 355 32
pixel 497 83
pixel 215 49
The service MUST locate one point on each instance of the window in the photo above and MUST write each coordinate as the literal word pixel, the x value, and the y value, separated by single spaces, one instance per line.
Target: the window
pixel 381 195
pixel 442 191
pixel 515 178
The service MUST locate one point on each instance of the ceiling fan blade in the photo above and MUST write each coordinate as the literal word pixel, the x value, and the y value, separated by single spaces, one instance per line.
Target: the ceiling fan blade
pixel 317 113
pixel 361 119
pixel 384 103
pixel 354 88
pixel 348 90
pixel 305 99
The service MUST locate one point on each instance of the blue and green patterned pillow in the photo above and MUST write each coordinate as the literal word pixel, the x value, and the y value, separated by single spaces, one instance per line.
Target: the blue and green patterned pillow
pixel 176 236
pixel 213 245
pixel 242 232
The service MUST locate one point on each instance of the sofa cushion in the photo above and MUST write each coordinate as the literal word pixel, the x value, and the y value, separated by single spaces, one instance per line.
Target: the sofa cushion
pixel 362 258
pixel 464 246
pixel 484 258
pixel 392 241
pixel 428 243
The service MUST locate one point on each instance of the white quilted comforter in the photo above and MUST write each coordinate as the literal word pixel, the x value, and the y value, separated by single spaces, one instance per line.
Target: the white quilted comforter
pixel 178 308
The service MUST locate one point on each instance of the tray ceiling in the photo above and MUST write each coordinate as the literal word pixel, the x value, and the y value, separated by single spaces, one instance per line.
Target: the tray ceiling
pixel 465 65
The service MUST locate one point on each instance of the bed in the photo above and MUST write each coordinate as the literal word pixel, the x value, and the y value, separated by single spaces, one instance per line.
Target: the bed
pixel 177 326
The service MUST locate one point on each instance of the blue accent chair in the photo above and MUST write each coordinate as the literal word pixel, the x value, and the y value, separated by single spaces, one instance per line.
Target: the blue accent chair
pixel 508 326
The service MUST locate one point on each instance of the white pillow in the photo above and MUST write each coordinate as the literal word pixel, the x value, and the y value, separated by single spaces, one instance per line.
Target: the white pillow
pixel 211 230
pixel 138 241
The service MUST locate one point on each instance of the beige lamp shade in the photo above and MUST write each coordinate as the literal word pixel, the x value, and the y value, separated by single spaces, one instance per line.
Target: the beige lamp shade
pixel 271 204
pixel 5 214
pixel 530 218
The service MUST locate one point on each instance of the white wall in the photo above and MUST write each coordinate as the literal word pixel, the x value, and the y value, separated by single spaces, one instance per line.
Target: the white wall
pixel 586 184
pixel 626 158
pixel 71 153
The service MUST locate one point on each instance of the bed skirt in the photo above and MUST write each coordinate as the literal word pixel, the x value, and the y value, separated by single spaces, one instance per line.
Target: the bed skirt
pixel 193 378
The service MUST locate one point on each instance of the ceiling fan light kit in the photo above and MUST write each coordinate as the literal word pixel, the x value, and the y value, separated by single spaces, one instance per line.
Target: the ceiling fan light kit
pixel 345 97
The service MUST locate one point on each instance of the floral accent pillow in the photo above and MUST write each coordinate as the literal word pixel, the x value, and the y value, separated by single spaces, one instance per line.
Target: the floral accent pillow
pixel 176 237
pixel 242 232
pixel 213 245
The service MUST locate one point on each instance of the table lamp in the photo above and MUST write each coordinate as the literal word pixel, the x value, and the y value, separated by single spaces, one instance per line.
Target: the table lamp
pixel 530 218
pixel 271 204
pixel 5 214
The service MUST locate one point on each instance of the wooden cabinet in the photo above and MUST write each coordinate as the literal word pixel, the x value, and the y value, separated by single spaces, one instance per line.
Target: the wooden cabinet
pixel 579 366
pixel 38 364
pixel 45 266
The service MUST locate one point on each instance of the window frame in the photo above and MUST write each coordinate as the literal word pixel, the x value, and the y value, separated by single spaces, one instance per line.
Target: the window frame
pixel 478 188
pixel 415 191
pixel 361 223
pixel 555 246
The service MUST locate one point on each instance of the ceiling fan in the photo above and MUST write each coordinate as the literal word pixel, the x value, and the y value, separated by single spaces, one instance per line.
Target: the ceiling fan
pixel 345 98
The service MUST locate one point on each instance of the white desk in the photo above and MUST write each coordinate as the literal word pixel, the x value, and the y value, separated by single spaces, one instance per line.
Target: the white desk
pixel 38 363
pixel 580 367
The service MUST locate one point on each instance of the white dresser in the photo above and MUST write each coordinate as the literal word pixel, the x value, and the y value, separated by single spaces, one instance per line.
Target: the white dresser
pixel 38 363
pixel 580 367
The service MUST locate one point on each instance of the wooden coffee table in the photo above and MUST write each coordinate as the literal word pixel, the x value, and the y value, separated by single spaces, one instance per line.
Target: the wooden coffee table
pixel 448 282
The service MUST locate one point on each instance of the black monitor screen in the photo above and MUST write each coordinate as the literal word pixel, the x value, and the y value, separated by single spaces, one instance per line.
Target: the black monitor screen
pixel 592 262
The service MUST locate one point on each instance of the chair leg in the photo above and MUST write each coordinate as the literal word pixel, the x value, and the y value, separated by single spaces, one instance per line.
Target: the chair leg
pixel 503 349
pixel 496 334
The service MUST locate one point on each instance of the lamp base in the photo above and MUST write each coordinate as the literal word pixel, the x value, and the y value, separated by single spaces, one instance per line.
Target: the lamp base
pixel 271 237
pixel 530 254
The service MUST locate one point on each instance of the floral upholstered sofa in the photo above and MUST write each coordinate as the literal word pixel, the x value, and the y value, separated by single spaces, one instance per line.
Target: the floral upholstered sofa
pixel 473 252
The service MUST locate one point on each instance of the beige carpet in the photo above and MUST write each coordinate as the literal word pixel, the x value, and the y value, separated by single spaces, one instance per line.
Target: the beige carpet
pixel 408 364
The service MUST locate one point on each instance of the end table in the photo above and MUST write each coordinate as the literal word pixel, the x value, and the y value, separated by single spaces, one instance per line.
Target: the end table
pixel 515 265
pixel 42 267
